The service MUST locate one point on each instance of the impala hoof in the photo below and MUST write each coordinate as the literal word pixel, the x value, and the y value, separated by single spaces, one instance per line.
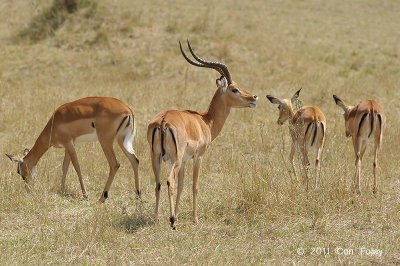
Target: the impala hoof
pixel 138 195
pixel 172 221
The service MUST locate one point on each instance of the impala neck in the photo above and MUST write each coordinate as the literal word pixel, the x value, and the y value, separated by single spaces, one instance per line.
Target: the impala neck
pixel 217 113
pixel 41 145
pixel 291 113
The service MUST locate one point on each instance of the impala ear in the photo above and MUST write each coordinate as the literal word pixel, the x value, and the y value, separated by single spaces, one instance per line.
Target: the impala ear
pixel 340 103
pixel 273 99
pixel 222 83
pixel 295 96
pixel 13 158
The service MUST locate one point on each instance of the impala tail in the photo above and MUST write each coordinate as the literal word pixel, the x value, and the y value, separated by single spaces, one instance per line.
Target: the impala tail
pixel 163 141
pixel 363 124
pixel 371 120
pixel 312 131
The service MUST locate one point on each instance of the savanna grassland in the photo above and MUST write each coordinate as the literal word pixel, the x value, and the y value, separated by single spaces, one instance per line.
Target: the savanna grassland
pixel 251 208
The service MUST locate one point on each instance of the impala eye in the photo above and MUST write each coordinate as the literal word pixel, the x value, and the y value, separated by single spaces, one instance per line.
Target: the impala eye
pixel 235 90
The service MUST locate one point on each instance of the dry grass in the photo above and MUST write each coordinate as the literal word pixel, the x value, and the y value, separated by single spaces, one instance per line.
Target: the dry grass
pixel 251 209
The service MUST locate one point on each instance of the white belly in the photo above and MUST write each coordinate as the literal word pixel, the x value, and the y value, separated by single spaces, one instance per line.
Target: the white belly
pixel 87 137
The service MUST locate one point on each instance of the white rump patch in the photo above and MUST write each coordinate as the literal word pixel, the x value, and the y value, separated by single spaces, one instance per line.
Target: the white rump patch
pixel 128 142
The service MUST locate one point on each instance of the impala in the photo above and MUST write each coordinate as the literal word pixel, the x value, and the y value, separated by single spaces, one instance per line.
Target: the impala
pixel 179 136
pixel 362 122
pixel 88 119
pixel 307 130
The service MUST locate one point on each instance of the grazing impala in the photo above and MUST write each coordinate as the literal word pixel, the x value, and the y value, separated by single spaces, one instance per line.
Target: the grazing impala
pixel 179 136
pixel 88 119
pixel 307 129
pixel 363 121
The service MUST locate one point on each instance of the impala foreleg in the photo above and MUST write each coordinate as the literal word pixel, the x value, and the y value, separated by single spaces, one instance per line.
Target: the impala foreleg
pixel 65 167
pixel 196 171
pixel 74 158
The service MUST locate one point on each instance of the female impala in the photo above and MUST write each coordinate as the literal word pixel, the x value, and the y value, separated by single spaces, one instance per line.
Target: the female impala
pixel 307 129
pixel 182 135
pixel 88 119
pixel 361 122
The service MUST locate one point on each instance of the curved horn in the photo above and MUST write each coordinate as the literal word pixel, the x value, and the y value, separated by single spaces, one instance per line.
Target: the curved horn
pixel 220 67
pixel 188 59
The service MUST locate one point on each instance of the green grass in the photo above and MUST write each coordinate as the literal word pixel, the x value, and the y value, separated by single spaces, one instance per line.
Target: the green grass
pixel 251 209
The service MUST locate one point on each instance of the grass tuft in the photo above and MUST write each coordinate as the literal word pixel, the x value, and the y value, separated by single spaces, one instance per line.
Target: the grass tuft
pixel 45 24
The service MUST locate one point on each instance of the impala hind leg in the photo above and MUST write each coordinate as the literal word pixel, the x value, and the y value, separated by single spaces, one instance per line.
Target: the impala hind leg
pixel 375 164
pixel 156 164
pixel 181 176
pixel 65 167
pixel 196 170
pixel 359 150
pixel 291 159
pixel 377 147
pixel 125 144
pixel 306 164
pixel 69 147
pixel 176 167
pixel 317 170
pixel 114 165
pixel 318 161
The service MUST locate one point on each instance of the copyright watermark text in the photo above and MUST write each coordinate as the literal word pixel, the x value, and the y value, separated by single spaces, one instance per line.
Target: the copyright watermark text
pixel 339 251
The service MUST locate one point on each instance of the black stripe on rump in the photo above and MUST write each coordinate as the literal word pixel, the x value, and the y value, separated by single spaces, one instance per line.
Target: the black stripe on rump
pixel 129 121
pixel 361 121
pixel 380 123
pixel 308 127
pixel 173 138
pixel 372 123
pixel 123 120
pixel 162 142
pixel 323 129
pixel 152 139
pixel 315 133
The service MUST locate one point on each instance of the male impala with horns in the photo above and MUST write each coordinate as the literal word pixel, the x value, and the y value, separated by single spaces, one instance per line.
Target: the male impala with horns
pixel 180 136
